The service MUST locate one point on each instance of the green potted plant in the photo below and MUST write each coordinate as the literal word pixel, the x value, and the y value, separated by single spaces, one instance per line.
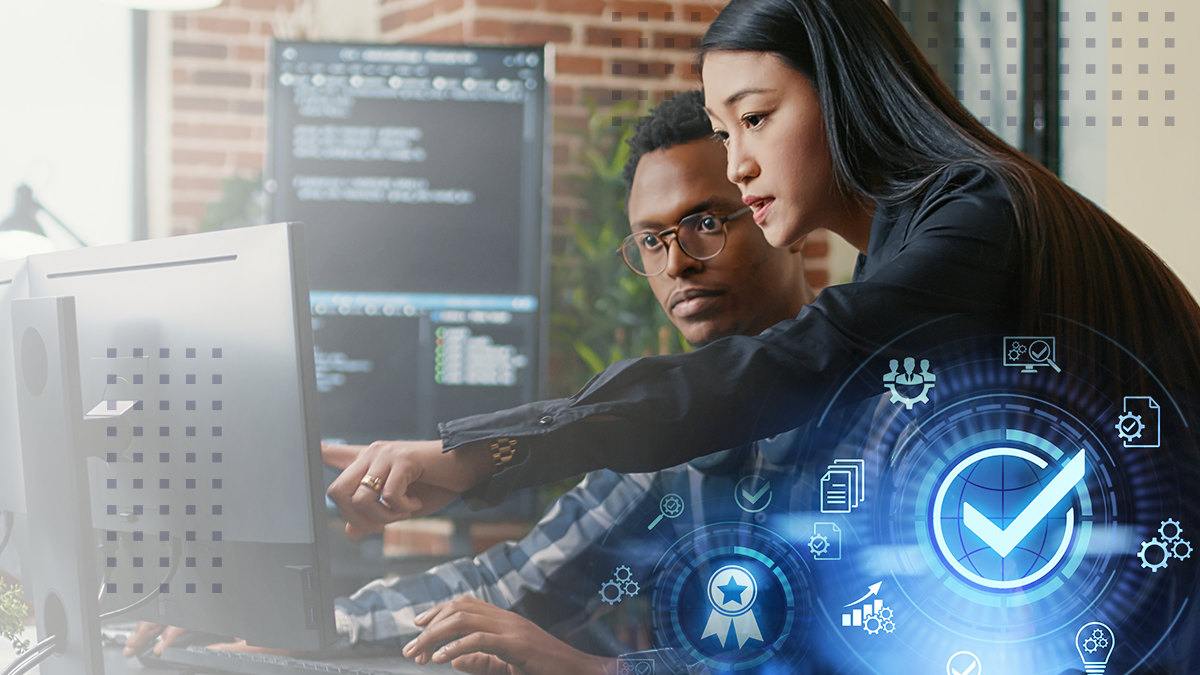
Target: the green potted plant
pixel 13 613
pixel 601 312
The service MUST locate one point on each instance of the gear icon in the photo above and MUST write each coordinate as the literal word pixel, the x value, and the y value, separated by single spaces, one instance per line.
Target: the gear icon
pixel 1170 530
pixel 909 401
pixel 1154 543
pixel 889 626
pixel 818 544
pixel 1181 549
pixel 1129 435
pixel 885 613
pixel 631 588
pixel 611 599
pixel 1016 351
pixel 1091 645
pixel 622 573
pixel 872 624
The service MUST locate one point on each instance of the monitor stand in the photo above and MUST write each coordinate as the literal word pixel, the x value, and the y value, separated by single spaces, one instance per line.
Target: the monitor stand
pixel 53 438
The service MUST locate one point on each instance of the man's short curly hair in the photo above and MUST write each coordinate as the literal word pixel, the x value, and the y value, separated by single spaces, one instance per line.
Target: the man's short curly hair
pixel 676 121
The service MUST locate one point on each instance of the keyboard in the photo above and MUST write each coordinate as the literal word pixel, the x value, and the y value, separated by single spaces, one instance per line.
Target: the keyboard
pixel 201 660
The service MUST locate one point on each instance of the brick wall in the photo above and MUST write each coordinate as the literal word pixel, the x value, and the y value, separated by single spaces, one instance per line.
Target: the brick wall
pixel 605 51
pixel 217 101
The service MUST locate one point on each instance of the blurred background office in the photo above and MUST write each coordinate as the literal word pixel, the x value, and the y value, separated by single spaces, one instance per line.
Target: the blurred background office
pixel 127 123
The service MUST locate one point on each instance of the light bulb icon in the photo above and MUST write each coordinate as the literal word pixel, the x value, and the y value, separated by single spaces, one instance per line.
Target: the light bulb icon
pixel 1095 643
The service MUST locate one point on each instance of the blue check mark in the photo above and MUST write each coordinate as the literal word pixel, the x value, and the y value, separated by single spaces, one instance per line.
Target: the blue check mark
pixel 1003 541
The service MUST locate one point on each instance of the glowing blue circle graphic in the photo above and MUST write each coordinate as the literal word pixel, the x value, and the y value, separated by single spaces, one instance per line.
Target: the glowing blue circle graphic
pixel 1006 527
pixel 736 597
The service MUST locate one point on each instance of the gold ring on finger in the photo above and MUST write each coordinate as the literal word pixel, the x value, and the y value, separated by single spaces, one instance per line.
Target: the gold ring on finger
pixel 373 482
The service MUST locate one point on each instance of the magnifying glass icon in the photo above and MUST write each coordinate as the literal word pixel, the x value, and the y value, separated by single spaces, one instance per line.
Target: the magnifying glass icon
pixel 670 506
pixel 1041 352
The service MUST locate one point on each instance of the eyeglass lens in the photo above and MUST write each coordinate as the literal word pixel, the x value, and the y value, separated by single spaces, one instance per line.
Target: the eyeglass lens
pixel 701 236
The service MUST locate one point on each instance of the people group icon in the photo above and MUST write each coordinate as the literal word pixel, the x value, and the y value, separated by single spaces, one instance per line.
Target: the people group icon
pixel 909 378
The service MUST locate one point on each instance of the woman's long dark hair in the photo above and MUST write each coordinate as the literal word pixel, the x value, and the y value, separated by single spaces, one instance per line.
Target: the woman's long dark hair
pixel 893 126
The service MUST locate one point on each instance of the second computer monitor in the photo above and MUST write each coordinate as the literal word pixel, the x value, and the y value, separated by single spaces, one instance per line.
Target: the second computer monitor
pixel 12 489
pixel 214 470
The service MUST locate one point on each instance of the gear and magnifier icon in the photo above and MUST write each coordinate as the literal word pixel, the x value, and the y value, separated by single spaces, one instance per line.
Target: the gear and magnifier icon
pixel 1156 553
pixel 620 586
pixel 670 506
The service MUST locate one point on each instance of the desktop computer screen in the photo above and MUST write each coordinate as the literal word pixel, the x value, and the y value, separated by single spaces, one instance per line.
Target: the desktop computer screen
pixel 195 361
pixel 418 172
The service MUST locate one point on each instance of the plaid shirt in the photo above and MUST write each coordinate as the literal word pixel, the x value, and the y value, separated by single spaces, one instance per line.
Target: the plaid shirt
pixel 553 576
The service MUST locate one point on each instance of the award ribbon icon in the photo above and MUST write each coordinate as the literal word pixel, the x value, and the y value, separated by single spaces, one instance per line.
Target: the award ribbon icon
pixel 732 591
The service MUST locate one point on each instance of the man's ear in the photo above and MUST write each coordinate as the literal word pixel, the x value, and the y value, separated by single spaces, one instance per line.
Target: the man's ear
pixel 799 245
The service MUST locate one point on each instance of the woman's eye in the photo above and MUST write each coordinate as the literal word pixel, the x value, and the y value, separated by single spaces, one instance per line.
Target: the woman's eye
pixel 721 137
pixel 753 120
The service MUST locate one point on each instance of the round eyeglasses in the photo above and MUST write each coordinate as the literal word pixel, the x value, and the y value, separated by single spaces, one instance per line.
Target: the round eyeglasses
pixel 701 236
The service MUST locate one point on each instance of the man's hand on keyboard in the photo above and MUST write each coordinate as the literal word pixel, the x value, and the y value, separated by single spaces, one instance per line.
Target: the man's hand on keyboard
pixel 469 631
pixel 146 631
pixel 240 645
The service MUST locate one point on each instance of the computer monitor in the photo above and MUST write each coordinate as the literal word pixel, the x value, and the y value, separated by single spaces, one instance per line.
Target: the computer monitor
pixel 1030 353
pixel 419 170
pixel 54 436
pixel 13 285
pixel 12 487
pixel 196 353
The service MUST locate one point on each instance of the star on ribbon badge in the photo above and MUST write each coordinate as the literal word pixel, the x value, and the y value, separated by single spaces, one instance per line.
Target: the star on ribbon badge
pixel 732 591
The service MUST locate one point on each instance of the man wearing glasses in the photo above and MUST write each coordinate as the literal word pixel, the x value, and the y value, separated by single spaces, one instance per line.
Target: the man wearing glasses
pixel 715 275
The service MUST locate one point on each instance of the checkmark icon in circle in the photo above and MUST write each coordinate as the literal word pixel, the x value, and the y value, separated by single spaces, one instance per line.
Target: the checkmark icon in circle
pixel 748 494
pixel 757 495
pixel 1002 541
pixel 963 663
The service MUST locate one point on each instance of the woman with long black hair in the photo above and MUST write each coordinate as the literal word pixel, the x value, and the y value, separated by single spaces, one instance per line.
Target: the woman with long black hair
pixel 832 118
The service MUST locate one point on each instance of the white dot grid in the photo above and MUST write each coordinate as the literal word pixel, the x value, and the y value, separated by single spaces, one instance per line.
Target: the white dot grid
pixel 991 52
pixel 177 436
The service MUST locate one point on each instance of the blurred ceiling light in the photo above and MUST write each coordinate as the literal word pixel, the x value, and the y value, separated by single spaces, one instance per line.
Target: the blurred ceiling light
pixel 166 5
pixel 22 235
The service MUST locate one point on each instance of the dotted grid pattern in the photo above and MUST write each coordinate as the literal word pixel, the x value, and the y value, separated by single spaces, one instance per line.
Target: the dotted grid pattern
pixel 1006 48
pixel 661 40
pixel 1132 55
pixel 181 424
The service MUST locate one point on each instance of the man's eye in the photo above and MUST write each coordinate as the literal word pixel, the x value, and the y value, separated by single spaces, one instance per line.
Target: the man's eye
pixel 708 224
pixel 648 242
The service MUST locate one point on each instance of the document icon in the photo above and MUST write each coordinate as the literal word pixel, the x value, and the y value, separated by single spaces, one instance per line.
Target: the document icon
pixel 1139 425
pixel 825 542
pixel 842 485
